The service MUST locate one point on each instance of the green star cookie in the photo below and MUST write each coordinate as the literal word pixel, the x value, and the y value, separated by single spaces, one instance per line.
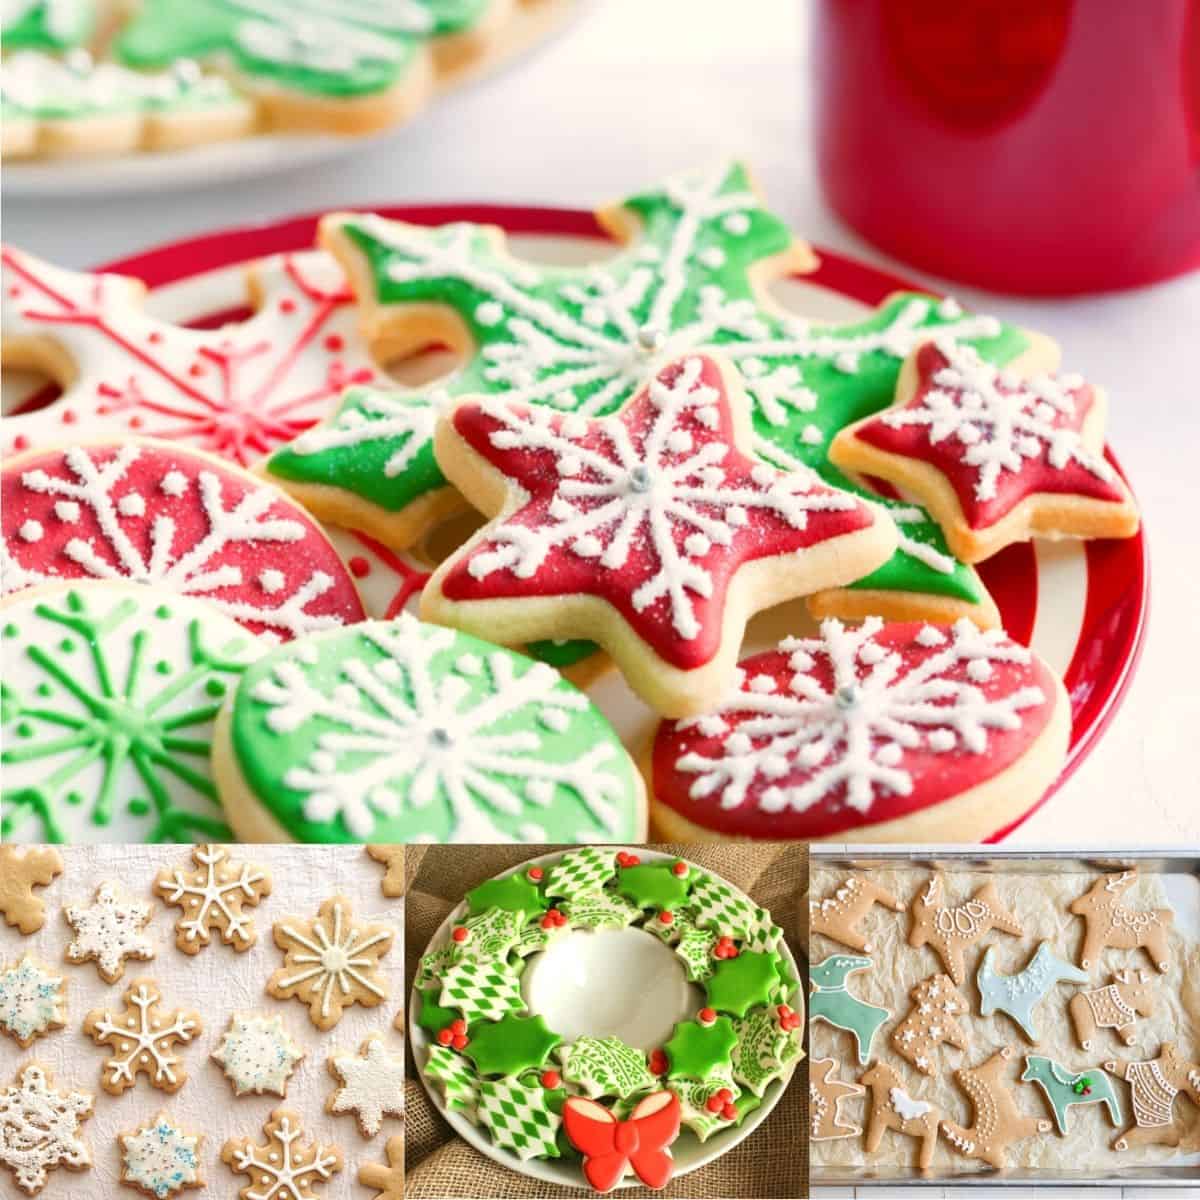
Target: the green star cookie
pixel 655 885
pixel 514 893
pixel 738 984
pixel 698 1051
pixel 605 1067
pixel 458 1081
pixel 510 1045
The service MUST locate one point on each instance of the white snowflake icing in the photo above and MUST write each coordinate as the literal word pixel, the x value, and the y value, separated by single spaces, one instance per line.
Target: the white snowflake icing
pixel 287 1172
pixel 372 1085
pixel 257 1054
pixel 662 483
pixel 853 734
pixel 39 1128
pixel 32 1000
pixel 143 1039
pixel 194 569
pixel 202 898
pixel 1000 420
pixel 161 1158
pixel 426 734
pixel 110 931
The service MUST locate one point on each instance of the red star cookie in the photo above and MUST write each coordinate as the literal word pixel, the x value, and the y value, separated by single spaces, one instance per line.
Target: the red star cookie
pixel 653 532
pixel 177 519
pixel 994 457
pixel 238 391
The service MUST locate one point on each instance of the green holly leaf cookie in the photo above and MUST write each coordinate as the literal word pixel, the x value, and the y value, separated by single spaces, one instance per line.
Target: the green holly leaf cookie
pixel 522 1116
pixel 699 1051
pixel 738 984
pixel 605 1067
pixel 760 1055
pixel 510 1045
pixel 667 931
pixel 716 905
pixel 695 948
pixel 600 910
pixel 655 885
pixel 53 25
pixel 514 893
pixel 580 871
pixel 433 1016
pixel 457 1079
pixel 694 1095
pixel 482 991
pixel 490 935
pixel 434 964
pixel 535 937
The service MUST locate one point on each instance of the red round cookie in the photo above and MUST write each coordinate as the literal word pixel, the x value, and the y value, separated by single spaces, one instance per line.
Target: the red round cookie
pixel 862 726
pixel 176 519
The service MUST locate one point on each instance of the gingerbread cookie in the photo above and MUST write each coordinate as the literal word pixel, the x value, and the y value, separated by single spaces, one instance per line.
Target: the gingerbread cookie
pixel 611 1147
pixel 830 1001
pixel 21 870
pixel 653 532
pixel 142 1039
pixel 825 1097
pixel 331 962
pixel 109 931
pixel 1116 1006
pixel 997 458
pixel 371 1085
pixel 998 1121
pixel 1065 1089
pixel 285 1165
pixel 1113 926
pixel 257 1054
pixel 110 694
pixel 161 1158
pixel 1154 1086
pixel 388 1181
pixel 932 1020
pixel 212 897
pixel 392 858
pixel 40 1128
pixel 1018 995
pixel 881 732
pixel 838 916
pixel 404 731
pixel 950 929
pixel 699 252
pixel 177 520
pixel 33 1000
pixel 892 1108
pixel 237 391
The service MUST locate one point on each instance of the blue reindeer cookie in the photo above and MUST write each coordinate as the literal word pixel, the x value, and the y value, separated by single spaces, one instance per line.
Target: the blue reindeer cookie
pixel 1018 995
pixel 831 1001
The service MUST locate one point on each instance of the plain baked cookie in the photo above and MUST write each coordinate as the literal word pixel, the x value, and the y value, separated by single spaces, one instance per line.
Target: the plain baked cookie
pixel 884 732
pixel 400 731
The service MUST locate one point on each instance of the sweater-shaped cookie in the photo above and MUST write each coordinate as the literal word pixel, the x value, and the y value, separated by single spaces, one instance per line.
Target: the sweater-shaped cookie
pixel 1116 1006
pixel 698 253
pixel 1114 926
pixel 879 731
pixel 177 520
pixel 1018 995
pixel 653 532
pixel 932 1021
pixel 237 391
pixel 996 458
pixel 1154 1086
pixel 951 928
pixel 831 1001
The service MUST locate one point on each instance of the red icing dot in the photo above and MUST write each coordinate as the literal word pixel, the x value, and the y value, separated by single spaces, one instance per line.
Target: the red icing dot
pixel 666 917
pixel 287 305
pixel 459 1026
pixel 445 1037
pixel 707 1016
pixel 359 567
pixel 460 933
pixel 459 1040
pixel 20 442
pixel 68 416
pixel 136 422
pixel 680 869
pixel 155 337
pixel 626 859
pixel 714 1103
pixel 729 1112
pixel 334 342
pixel 195 370
pixel 725 1095
pixel 658 1062
pixel 14 290
pixel 550 1079
pixel 536 874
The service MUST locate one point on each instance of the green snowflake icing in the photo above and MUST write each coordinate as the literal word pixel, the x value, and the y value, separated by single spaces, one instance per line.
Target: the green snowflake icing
pixel 101 725
pixel 605 1067
pixel 583 339
pixel 47 24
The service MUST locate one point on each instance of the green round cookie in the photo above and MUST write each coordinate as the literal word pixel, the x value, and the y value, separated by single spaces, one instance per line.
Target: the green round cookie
pixel 398 731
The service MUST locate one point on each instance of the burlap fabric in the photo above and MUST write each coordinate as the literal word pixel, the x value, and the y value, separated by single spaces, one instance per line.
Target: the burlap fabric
pixel 771 1163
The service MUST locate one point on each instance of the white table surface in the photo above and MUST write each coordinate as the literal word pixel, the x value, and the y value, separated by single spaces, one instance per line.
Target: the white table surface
pixel 636 89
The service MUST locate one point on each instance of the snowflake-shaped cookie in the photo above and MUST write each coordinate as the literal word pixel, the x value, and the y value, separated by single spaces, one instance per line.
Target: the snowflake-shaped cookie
pixel 142 1039
pixel 212 897
pixel 161 1158
pixel 656 518
pixel 40 1128
pixel 21 870
pixel 257 1054
pixel 238 391
pixel 995 456
pixel 331 963
pixel 177 520
pixel 371 1085
pixel 286 1165
pixel 859 724
pixel 109 931
pixel 33 1000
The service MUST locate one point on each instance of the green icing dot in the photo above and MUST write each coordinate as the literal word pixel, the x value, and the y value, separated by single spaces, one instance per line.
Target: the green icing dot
pixel 138 808
pixel 24 729
pixel 74 798
pixel 10 630
pixel 214 687
pixel 44 689
pixel 66 645
pixel 162 612
pixel 163 667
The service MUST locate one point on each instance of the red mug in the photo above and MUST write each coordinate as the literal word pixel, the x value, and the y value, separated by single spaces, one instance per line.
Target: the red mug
pixel 1031 146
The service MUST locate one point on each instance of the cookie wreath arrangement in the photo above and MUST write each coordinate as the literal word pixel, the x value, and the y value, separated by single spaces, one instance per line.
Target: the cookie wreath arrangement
pixel 89 77
pixel 1032 1020
pixel 659 453
pixel 156 1037
pixel 606 1013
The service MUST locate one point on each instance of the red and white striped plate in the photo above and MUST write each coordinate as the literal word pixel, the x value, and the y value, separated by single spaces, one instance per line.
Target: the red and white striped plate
pixel 1082 606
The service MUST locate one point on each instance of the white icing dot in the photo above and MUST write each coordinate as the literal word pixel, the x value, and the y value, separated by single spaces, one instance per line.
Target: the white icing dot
pixel 31 531
pixel 575 426
pixel 174 483
pixel 762 684
pixel 950 309
pixel 737 223
pixel 763 475
pixel 132 504
pixel 555 719
pixel 811 435
pixel 980 670
pixel 752 367
pixel 67 510
pixel 468 664
pixel 568 465
pixel 930 636
pixel 540 791
pixel 941 740
pixel 713 257
pixel 679 441
pixel 890 755
pixel 489 313
pixel 846 362
pixel 735 514
pixel 271 580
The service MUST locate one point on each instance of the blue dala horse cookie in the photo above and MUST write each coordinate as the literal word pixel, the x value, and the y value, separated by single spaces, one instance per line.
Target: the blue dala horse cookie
pixel 832 1002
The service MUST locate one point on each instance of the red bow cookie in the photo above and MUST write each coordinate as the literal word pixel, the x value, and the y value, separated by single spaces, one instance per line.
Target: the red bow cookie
pixel 610 1146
